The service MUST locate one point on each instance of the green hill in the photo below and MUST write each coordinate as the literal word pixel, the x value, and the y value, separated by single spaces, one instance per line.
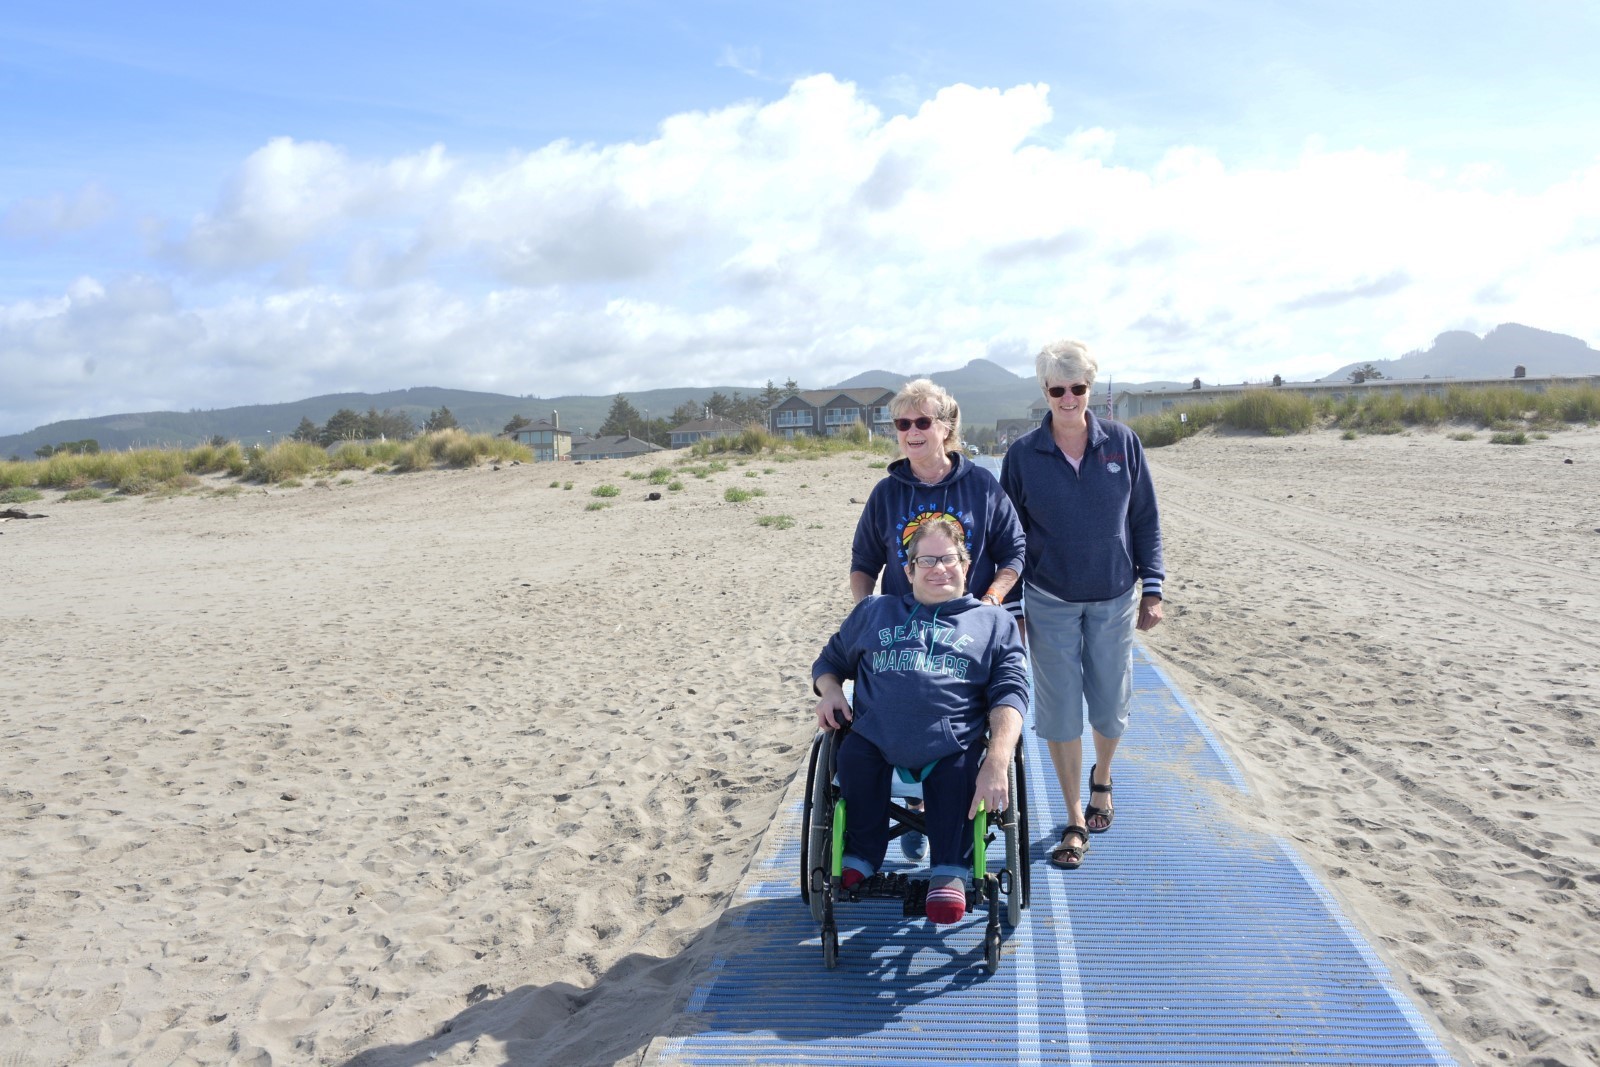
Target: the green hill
pixel 986 391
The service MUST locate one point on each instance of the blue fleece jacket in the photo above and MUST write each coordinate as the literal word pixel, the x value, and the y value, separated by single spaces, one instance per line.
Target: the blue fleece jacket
pixel 926 676
pixel 899 503
pixel 1092 531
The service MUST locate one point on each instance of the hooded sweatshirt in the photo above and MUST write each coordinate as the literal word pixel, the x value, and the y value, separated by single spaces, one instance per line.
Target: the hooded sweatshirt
pixel 899 503
pixel 926 676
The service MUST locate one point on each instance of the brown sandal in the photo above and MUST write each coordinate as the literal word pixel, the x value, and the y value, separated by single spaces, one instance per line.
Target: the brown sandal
pixel 1070 857
pixel 1094 811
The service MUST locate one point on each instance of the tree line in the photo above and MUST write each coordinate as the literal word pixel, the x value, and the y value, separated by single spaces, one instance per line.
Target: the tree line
pixel 87 447
pixel 375 425
pixel 624 418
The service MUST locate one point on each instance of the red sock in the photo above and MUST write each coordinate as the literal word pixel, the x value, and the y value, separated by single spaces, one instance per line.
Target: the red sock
pixel 947 903
pixel 851 878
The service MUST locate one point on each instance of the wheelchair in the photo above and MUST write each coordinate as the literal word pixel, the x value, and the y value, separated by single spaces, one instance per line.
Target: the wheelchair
pixel 822 847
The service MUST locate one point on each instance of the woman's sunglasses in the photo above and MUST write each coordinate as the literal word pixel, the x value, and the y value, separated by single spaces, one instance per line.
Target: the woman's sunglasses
pixel 1059 391
pixel 922 422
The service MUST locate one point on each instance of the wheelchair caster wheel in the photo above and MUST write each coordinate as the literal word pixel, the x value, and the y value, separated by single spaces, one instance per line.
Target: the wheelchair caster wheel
pixel 830 949
pixel 991 951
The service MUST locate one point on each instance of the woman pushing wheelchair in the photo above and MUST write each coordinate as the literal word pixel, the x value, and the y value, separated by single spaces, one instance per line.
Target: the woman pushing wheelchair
pixel 935 672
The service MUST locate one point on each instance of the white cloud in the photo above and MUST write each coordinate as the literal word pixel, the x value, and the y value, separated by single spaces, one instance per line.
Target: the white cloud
pixel 287 194
pixel 57 215
pixel 811 236
pixel 746 60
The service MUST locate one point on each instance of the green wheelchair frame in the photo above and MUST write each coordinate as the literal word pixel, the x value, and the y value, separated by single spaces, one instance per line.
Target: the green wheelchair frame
pixel 822 825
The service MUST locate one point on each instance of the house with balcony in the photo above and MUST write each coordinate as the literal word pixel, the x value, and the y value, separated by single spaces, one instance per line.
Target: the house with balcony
pixel 547 439
pixel 701 429
pixel 829 412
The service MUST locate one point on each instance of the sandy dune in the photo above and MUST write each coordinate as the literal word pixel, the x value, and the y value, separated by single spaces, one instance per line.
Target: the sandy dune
pixel 447 768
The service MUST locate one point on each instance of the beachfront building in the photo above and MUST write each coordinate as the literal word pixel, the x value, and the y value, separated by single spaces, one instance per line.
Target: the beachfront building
pixel 612 446
pixel 701 429
pixel 547 439
pixel 827 412
pixel 1131 403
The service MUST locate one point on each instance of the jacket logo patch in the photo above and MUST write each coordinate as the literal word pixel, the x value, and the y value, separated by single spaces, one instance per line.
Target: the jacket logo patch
pixel 1113 467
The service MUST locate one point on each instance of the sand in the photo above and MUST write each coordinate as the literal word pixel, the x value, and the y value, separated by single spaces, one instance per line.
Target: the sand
pixel 1399 639
pixel 445 767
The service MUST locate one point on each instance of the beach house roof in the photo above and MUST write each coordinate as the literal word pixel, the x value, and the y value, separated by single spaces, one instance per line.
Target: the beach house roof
pixel 612 446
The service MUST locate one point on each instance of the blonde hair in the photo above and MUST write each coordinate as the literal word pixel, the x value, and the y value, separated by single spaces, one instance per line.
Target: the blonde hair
pixel 921 391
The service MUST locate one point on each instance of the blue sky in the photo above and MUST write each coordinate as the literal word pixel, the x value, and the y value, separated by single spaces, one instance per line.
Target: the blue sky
pixel 206 205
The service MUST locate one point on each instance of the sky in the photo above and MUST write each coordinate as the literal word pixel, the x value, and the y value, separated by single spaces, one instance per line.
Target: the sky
pixel 208 205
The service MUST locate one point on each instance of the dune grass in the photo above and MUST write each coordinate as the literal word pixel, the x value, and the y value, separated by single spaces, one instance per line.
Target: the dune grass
pixel 756 440
pixel 1503 409
pixel 365 455
pixel 457 448
pixel 165 471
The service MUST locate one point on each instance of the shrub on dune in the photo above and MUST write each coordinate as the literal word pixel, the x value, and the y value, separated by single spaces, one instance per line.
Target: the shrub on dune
pixel 1574 404
pixel 462 451
pixel 284 461
pixel 1269 411
pixel 214 459
pixel 1170 427
pixel 1488 405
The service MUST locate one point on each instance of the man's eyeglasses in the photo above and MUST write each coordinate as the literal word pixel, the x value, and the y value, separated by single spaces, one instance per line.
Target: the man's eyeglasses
pixel 1059 391
pixel 927 563
pixel 922 422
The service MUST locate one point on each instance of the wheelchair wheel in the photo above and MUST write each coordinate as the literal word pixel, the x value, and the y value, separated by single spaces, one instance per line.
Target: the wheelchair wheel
pixel 805 821
pixel 817 830
pixel 1015 839
pixel 1024 849
pixel 991 951
pixel 830 948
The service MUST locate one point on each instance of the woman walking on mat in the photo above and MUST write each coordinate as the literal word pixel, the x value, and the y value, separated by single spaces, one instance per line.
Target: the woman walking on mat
pixel 1093 575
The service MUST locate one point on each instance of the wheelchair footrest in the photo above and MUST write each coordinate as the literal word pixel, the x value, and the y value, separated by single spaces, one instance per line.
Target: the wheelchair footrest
pixel 885 885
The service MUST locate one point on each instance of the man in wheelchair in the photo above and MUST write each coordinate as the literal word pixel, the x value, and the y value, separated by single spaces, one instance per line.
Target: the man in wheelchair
pixel 934 672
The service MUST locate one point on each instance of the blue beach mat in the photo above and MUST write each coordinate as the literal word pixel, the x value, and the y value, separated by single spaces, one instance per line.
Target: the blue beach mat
pixel 1183 939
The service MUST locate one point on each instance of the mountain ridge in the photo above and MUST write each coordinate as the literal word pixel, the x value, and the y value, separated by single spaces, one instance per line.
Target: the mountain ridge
pixel 986 390
pixel 1497 354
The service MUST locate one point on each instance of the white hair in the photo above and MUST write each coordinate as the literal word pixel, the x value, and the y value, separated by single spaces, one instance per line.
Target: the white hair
pixel 1065 361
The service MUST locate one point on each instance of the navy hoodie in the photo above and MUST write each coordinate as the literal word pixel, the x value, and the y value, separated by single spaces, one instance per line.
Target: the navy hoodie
pixel 1092 531
pixel 899 503
pixel 926 676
